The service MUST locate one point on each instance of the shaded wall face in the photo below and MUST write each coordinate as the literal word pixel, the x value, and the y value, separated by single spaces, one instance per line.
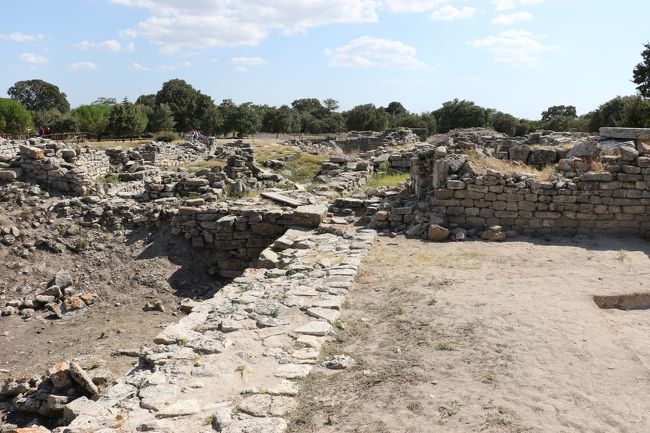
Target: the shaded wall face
pixel 615 201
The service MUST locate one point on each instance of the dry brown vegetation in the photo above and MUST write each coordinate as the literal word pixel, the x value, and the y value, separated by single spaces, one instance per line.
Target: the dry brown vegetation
pixel 482 164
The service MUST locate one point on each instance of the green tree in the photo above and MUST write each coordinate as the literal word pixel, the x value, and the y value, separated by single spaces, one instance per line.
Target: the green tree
pixel 280 120
pixel 247 121
pixel 64 122
pixel 92 118
pixel 39 95
pixel 104 101
pixel 14 118
pixel 636 113
pixel 504 123
pixel 187 103
pixel 395 109
pixel 331 105
pixel 460 114
pixel 149 100
pixel 641 73
pixel 558 117
pixel 211 123
pixel 367 117
pixel 609 113
pixel 559 111
pixel 126 119
pixel 161 118
pixel 228 110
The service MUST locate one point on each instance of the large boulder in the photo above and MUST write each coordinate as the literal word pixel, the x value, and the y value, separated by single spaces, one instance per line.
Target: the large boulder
pixel 542 156
pixel 437 233
pixel 588 149
pixel 519 153
pixel 310 215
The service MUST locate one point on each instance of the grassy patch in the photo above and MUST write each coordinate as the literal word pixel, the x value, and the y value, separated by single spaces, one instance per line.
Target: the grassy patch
pixel 621 256
pixel 446 346
pixel 387 179
pixel 304 167
pixel 396 310
pixel 109 179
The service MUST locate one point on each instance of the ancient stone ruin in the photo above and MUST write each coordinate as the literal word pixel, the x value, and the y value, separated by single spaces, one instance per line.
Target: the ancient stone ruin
pixel 285 254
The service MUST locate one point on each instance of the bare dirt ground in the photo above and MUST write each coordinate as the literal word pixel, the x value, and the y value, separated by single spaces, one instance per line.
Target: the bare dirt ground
pixel 125 271
pixel 487 337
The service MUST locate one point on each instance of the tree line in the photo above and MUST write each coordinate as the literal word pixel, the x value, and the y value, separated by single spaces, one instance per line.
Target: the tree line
pixel 178 107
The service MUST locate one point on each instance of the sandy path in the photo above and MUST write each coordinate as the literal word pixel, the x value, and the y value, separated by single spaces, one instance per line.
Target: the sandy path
pixel 490 337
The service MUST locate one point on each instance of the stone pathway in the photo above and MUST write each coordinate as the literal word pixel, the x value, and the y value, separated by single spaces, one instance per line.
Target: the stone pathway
pixel 232 365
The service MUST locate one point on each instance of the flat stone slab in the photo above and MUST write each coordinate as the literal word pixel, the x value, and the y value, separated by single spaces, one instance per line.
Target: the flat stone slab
pixel 180 408
pixel 309 216
pixel 626 133
pixel 257 425
pixel 293 371
pixel 282 199
pixel 317 328
pixel 324 313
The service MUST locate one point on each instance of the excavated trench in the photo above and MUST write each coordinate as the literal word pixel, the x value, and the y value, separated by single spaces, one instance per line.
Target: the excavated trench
pixel 141 269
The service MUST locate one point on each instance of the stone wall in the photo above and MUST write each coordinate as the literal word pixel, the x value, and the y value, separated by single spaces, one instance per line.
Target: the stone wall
pixel 66 170
pixel 614 200
pixel 8 149
pixel 237 235
pixel 172 155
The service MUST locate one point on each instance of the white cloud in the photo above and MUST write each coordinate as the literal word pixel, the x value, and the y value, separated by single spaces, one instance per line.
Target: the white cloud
pixel 367 52
pixel 506 5
pixel 510 19
pixel 33 59
pixel 413 5
pixel 450 13
pixel 161 68
pixel 110 46
pixel 22 37
pixel 178 25
pixel 516 47
pixel 248 61
pixel 82 66
pixel 241 69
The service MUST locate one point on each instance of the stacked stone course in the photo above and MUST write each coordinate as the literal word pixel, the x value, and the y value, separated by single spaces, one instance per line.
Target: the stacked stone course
pixel 450 191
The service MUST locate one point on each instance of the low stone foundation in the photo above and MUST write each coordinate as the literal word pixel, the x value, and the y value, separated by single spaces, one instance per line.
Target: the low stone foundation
pixel 236 358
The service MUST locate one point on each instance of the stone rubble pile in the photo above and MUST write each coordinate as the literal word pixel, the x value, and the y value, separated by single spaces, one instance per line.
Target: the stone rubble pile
pixel 56 396
pixel 317 147
pixel 240 175
pixel 59 299
pixel 341 174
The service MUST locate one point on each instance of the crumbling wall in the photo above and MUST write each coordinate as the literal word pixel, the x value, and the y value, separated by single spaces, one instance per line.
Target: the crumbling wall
pixel 66 170
pixel 172 155
pixel 238 236
pixel 8 149
pixel 613 200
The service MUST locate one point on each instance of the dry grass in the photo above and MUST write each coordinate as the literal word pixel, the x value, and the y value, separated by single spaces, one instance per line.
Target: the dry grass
pixel 505 166
pixel 196 166
pixel 117 143
pixel 272 151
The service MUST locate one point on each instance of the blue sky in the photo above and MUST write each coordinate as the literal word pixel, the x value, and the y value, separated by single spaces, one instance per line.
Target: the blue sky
pixel 519 56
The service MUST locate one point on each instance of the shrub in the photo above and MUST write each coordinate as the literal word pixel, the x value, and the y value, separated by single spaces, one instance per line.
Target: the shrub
pixel 166 136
